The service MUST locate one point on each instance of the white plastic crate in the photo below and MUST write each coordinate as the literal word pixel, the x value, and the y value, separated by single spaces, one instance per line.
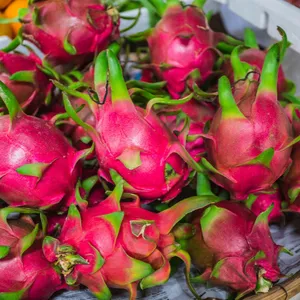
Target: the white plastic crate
pixel 267 15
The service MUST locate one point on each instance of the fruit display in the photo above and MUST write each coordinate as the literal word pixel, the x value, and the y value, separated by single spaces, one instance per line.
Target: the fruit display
pixel 110 179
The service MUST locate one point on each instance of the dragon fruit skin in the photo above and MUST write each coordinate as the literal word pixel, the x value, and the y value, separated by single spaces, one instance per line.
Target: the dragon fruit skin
pixel 37 154
pixel 199 113
pixel 93 28
pixel 31 90
pixel 261 202
pixel 226 242
pixel 111 235
pixel 133 141
pixel 261 124
pixel 181 43
pixel 291 181
pixel 25 273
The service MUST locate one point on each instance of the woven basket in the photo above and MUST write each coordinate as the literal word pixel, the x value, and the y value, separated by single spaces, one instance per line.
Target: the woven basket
pixel 285 291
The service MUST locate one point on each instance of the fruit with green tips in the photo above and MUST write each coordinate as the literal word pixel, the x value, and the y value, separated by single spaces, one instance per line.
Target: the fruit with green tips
pixel 70 31
pixel 248 143
pixel 119 245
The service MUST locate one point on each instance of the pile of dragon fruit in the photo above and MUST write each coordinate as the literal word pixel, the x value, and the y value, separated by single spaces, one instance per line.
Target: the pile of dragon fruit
pixel 106 180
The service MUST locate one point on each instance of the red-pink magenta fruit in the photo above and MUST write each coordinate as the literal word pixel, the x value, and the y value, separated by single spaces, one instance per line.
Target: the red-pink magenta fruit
pixel 25 272
pixel 133 141
pixel 260 202
pixel 198 113
pixel 71 31
pixel 38 166
pixel 225 241
pixel 95 242
pixel 291 181
pixel 21 75
pixel 182 48
pixel 247 143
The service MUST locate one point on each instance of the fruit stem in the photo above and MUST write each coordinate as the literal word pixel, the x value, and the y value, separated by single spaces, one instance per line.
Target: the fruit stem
pixel 238 67
pixel 269 75
pixel 118 86
pixel 160 6
pixel 10 101
pixel 250 39
pixel 226 100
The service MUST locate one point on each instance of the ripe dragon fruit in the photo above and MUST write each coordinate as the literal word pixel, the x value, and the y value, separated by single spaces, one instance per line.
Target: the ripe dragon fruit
pixel 255 58
pixel 291 180
pixel 36 154
pixel 119 245
pixel 248 144
pixel 132 140
pixel 22 76
pixel 93 26
pixel 259 203
pixel 182 48
pixel 225 240
pixel 25 272
pixel 198 113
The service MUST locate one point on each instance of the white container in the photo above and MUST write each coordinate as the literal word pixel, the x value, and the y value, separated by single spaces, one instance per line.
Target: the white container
pixel 267 15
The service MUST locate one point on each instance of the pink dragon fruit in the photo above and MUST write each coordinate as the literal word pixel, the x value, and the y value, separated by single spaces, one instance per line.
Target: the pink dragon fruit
pixel 255 58
pixel 198 113
pixel 22 76
pixel 37 155
pixel 132 140
pixel 182 48
pixel 93 26
pixel 225 240
pixel 25 272
pixel 248 143
pixel 259 203
pixel 95 242
pixel 291 180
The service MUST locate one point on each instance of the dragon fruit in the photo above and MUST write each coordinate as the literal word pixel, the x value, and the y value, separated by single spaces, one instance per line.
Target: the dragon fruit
pixel 36 154
pixel 25 272
pixel 22 76
pixel 248 144
pixel 132 140
pixel 255 58
pixel 291 180
pixel 94 26
pixel 95 242
pixel 225 240
pixel 198 113
pixel 259 203
pixel 182 48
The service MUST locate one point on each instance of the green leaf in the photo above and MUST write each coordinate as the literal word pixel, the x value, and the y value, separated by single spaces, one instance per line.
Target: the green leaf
pixel 264 158
pixel 35 169
pixel 29 239
pixel 4 250
pixel 23 76
pixel 68 46
pixel 131 158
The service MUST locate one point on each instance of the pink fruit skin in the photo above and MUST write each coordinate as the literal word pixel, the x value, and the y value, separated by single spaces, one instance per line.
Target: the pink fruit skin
pixel 233 142
pixel 87 26
pixel 32 140
pixel 29 95
pixel 199 113
pixel 291 182
pixel 232 235
pixel 181 43
pixel 264 201
pixel 255 57
pixel 30 272
pixel 125 127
